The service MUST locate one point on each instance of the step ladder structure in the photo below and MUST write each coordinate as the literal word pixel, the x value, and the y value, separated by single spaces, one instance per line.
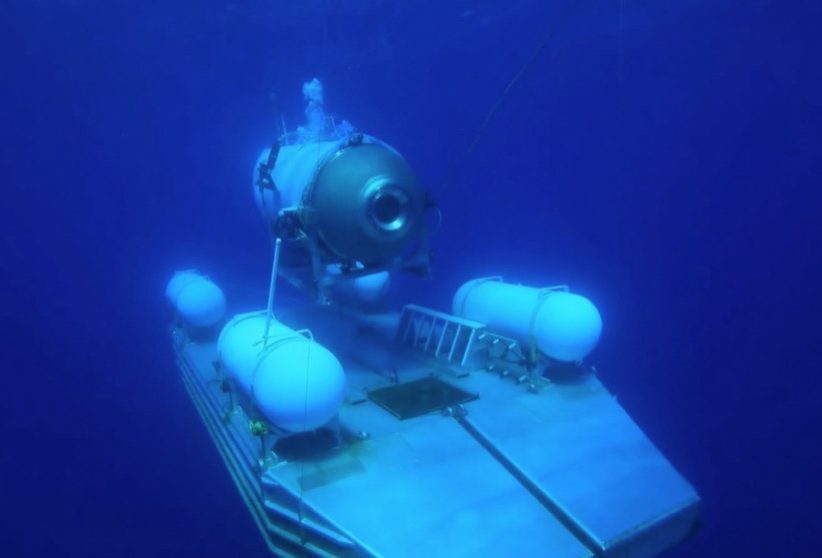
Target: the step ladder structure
pixel 467 344
pixel 438 335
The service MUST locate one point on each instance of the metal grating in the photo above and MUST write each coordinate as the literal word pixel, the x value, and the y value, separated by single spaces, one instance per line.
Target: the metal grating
pixel 419 397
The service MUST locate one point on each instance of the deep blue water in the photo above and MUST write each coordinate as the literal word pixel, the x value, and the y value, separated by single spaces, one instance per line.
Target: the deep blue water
pixel 664 161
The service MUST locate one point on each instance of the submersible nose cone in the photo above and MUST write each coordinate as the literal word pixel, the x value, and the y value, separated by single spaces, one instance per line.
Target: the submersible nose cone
pixel 366 204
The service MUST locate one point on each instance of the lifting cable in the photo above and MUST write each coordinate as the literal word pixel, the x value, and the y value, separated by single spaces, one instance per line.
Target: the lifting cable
pixel 459 162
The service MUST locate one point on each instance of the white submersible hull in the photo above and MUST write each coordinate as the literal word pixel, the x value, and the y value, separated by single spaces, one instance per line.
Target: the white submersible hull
pixel 442 447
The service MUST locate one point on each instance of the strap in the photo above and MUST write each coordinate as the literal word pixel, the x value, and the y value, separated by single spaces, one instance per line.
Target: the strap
pixel 265 181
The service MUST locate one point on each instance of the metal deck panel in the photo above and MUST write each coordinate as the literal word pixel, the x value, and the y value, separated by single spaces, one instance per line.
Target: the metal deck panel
pixel 430 490
pixel 579 446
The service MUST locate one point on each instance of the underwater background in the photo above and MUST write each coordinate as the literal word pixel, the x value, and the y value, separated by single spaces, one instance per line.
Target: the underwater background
pixel 661 158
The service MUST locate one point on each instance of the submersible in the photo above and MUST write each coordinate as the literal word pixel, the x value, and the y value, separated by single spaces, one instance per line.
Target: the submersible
pixel 354 429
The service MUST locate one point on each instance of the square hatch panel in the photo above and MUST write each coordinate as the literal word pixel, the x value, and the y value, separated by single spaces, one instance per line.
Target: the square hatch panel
pixel 419 397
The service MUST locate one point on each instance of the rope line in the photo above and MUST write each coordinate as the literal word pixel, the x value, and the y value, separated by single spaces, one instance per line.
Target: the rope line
pixel 546 39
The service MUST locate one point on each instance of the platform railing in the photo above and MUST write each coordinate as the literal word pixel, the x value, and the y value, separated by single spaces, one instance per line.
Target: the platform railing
pixel 439 335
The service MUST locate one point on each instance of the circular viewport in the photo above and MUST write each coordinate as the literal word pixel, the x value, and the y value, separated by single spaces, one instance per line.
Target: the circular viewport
pixel 389 209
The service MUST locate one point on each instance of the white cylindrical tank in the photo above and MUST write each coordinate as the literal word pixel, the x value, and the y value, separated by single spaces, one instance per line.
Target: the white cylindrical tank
pixel 368 289
pixel 372 287
pixel 563 325
pixel 197 300
pixel 296 383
